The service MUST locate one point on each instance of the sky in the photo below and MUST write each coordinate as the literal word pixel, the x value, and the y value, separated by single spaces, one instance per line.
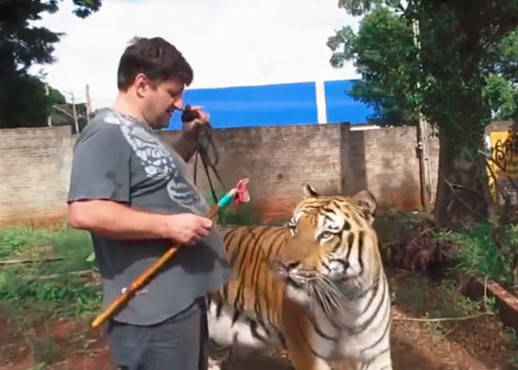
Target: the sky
pixel 227 42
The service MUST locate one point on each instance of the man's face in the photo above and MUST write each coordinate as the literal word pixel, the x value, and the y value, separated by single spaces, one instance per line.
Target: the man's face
pixel 161 100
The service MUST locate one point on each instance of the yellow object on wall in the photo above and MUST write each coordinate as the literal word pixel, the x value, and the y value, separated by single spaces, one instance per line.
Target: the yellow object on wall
pixel 504 146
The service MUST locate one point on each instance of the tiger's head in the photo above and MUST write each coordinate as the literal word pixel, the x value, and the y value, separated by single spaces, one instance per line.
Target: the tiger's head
pixel 333 249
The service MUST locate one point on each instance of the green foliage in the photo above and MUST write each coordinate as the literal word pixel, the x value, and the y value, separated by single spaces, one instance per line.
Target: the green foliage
pixel 45 350
pixel 243 214
pixel 458 47
pixel 74 246
pixel 511 338
pixel 511 235
pixel 35 292
pixel 22 97
pixel 477 251
pixel 384 53
pixel 427 300
pixel 12 239
pixel 360 7
pixel 59 296
pixel 435 58
pixel 501 71
pixel 502 97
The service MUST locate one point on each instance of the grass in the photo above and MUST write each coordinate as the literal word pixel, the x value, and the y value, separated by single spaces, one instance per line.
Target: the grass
pixel 477 251
pixel 26 295
pixel 425 299
pixel 444 300
pixel 35 294
pixel 512 340
pixel 45 350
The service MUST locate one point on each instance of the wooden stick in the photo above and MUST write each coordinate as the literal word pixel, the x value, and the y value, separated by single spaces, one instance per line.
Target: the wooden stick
pixel 439 319
pixel 128 292
pixel 31 260
pixel 73 273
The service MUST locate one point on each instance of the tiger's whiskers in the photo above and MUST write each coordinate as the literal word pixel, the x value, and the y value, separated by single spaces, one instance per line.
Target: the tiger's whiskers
pixel 329 296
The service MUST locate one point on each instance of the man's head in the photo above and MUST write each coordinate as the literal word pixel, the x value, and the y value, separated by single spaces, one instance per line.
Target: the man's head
pixel 152 75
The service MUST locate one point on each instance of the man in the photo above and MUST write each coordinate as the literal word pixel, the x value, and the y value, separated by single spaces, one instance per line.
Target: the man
pixel 131 192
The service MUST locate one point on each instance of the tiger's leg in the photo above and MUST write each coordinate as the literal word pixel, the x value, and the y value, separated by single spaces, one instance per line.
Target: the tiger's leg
pixel 304 359
pixel 297 330
pixel 218 354
pixel 382 361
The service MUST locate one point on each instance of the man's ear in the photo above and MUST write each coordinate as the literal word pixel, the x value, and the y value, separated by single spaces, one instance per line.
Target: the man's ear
pixel 309 192
pixel 366 203
pixel 142 85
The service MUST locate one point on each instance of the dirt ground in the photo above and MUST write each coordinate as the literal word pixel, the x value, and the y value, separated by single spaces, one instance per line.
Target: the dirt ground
pixel 480 343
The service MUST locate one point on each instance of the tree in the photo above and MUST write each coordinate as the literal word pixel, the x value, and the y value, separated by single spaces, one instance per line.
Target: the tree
pixel 26 103
pixel 383 86
pixel 22 97
pixel 501 69
pixel 451 67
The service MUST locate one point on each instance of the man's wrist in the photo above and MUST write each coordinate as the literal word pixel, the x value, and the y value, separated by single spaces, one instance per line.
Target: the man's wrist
pixel 163 226
pixel 189 135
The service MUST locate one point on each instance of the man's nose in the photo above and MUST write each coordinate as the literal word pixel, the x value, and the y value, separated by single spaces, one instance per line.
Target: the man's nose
pixel 178 104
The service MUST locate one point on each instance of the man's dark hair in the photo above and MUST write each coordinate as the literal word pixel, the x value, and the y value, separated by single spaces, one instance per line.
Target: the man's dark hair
pixel 156 58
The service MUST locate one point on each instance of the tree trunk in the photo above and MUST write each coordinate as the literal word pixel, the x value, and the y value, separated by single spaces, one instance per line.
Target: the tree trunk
pixel 461 180
pixel 514 270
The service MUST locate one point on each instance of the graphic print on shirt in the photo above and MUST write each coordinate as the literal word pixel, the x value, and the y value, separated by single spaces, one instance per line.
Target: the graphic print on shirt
pixel 157 160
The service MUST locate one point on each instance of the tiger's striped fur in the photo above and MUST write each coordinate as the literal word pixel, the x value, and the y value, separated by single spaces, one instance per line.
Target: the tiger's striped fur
pixel 316 287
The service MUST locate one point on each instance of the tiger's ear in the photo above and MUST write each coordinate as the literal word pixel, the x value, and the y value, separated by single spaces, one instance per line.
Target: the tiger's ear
pixel 366 203
pixel 309 192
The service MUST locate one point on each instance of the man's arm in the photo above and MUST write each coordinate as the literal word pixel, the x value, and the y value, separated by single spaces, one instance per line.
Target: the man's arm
pixel 119 221
pixel 186 145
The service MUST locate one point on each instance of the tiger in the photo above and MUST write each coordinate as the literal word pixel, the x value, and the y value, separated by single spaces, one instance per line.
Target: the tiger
pixel 315 288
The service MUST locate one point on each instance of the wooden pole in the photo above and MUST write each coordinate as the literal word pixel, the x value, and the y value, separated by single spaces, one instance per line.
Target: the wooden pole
pixel 140 281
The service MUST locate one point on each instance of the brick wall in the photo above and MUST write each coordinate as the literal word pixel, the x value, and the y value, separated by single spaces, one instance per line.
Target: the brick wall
pixel 34 173
pixel 385 162
pixel 278 160
pixel 390 165
pixel 331 158
pixel 35 167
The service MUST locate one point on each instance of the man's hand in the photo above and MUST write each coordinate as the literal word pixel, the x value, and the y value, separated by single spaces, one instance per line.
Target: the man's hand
pixel 188 228
pixel 194 127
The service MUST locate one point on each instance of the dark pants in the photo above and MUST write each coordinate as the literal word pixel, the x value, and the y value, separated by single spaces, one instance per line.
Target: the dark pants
pixel 175 344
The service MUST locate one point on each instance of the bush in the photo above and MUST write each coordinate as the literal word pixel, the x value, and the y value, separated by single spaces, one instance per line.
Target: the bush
pixel 477 252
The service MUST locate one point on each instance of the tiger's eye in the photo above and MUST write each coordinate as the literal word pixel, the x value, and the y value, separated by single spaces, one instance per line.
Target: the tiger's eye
pixel 326 235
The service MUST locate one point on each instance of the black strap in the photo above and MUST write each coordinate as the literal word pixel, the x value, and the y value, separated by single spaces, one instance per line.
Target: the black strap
pixel 209 156
pixel 206 150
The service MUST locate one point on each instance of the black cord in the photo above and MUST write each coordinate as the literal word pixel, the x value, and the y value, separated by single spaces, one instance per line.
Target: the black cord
pixel 206 150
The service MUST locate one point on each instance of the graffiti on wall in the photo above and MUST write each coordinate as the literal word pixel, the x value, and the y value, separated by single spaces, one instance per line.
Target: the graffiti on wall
pixel 504 150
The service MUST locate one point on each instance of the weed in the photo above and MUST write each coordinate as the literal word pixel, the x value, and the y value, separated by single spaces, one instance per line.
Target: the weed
pixel 12 239
pixel 427 300
pixel 31 296
pixel 477 251
pixel 511 338
pixel 45 350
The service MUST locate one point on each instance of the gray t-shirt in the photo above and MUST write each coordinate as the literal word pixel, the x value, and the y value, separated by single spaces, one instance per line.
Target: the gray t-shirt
pixel 123 160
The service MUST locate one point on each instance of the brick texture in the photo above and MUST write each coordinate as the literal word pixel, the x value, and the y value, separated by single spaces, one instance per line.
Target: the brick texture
pixel 35 167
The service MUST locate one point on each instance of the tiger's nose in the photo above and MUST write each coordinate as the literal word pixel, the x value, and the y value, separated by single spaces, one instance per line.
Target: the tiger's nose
pixel 339 264
pixel 292 265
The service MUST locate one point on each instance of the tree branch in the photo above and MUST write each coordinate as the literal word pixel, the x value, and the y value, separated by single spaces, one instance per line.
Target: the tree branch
pixel 452 187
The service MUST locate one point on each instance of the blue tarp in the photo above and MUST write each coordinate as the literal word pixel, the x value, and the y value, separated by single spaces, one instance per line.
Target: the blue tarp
pixel 280 104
